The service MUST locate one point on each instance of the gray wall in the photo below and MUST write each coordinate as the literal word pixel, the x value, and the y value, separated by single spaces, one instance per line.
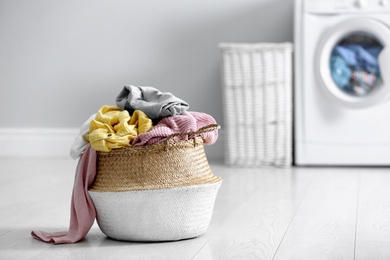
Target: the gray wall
pixel 60 61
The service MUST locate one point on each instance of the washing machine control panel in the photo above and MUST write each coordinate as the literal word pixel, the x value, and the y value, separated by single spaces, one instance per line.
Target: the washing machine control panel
pixel 346 6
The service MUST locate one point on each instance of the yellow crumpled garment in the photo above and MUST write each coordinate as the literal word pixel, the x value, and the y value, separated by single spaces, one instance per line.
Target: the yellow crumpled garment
pixel 115 128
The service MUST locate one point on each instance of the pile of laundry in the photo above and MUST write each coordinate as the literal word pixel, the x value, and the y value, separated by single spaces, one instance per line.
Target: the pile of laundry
pixel 143 116
pixel 355 68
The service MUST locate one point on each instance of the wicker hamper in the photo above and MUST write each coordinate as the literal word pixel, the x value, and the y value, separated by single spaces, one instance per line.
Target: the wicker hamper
pixel 161 192
pixel 257 90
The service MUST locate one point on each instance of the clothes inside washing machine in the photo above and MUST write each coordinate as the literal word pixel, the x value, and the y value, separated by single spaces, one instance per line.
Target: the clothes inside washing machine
pixel 354 64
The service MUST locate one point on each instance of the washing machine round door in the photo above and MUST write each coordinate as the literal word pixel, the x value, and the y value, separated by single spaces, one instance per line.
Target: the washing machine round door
pixel 353 62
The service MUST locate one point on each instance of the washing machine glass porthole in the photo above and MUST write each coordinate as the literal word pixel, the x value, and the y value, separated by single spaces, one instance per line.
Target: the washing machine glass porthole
pixel 354 64
pixel 351 60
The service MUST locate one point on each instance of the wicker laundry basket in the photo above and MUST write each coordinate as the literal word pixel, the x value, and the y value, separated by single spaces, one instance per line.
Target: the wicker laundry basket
pixel 161 192
pixel 257 91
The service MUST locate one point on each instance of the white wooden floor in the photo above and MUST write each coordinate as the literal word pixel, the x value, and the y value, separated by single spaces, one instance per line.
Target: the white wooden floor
pixel 297 213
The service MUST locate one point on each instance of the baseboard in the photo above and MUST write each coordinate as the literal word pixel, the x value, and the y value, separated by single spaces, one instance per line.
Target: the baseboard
pixel 36 142
pixel 56 142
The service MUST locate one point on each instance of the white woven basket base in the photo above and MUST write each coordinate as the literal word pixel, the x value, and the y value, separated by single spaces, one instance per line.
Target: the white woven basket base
pixel 156 215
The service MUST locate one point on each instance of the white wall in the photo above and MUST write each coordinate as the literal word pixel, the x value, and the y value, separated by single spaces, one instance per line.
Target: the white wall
pixel 60 61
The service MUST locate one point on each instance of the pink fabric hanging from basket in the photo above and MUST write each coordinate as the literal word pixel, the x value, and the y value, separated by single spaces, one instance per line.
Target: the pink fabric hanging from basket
pixel 83 212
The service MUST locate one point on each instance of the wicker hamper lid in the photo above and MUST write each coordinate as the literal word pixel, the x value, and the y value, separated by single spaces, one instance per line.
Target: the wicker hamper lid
pixel 160 166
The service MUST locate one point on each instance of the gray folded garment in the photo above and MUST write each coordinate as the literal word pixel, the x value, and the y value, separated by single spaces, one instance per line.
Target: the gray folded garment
pixel 154 103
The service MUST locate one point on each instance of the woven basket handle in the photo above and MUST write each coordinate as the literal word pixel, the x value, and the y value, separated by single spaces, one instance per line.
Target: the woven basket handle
pixel 205 129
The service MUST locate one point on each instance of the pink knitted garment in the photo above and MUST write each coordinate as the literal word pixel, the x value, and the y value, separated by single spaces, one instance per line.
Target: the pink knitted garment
pixel 83 213
pixel 186 122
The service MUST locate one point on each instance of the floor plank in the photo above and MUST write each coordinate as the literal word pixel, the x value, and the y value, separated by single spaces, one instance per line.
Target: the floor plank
pixel 256 228
pixel 367 250
pixel 324 224
pixel 373 226
pixel 17 244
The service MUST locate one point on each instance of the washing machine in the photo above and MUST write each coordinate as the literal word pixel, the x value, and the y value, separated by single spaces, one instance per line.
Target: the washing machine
pixel 342 82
